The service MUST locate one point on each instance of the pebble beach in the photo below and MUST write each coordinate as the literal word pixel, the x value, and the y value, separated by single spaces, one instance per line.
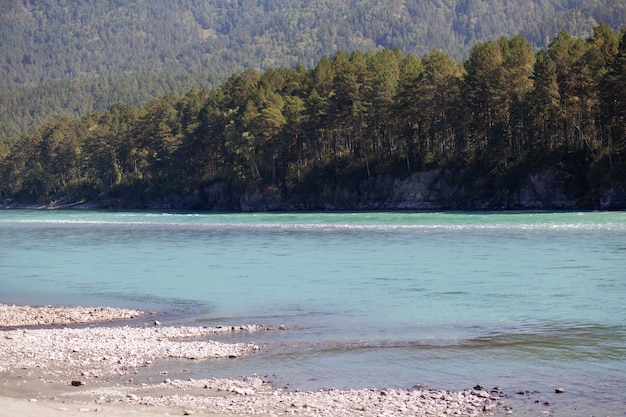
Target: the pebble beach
pixel 53 363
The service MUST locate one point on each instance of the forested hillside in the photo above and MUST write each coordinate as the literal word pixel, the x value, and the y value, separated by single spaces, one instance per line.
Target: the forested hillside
pixel 69 57
pixel 336 134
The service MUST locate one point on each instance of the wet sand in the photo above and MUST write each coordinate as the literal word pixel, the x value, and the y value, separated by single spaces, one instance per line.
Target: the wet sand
pixel 69 371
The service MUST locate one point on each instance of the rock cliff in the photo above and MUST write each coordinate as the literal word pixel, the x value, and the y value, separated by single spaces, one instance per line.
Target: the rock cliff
pixel 425 190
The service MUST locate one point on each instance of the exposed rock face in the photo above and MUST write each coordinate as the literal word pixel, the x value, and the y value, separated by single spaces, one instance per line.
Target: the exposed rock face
pixel 415 192
pixel 544 190
pixel 613 199
pixel 425 190
pixel 435 189
pixel 541 190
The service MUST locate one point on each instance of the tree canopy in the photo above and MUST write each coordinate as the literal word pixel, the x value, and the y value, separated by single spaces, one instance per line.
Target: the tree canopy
pixel 64 57
pixel 353 117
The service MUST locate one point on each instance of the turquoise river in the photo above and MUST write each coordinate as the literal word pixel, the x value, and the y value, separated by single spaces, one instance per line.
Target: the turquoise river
pixel 526 301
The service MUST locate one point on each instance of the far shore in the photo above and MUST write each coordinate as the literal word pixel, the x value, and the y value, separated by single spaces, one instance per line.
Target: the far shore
pixel 49 368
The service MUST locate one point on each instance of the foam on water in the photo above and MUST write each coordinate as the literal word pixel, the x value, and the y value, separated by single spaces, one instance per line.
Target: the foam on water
pixel 336 221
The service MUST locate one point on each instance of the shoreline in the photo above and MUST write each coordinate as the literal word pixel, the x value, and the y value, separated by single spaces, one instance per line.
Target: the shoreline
pixel 27 316
pixel 61 370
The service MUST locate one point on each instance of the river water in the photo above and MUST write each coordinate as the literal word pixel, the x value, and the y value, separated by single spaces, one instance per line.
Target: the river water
pixel 526 301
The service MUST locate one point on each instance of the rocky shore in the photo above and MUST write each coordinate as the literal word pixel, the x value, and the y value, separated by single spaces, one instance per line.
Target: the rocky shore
pixel 23 316
pixel 250 396
pixel 101 351
pixel 92 367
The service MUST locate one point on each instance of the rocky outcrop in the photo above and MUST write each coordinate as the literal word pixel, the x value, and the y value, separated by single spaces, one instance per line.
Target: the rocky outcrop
pixel 425 190
pixel 543 190
pixel 613 198
pixel 461 189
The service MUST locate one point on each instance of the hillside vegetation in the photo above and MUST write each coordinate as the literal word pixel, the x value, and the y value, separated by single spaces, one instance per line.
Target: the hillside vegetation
pixel 70 57
pixel 304 135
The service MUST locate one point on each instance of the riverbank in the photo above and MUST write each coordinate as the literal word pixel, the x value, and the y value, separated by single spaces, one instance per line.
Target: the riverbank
pixel 25 316
pixel 73 370
pixel 434 189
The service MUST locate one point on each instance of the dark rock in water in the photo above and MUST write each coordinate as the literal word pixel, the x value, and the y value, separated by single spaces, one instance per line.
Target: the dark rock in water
pixel 478 388
pixel 559 390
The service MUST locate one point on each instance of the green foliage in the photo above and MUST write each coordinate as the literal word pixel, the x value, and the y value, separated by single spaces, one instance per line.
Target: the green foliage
pixel 353 118
pixel 62 57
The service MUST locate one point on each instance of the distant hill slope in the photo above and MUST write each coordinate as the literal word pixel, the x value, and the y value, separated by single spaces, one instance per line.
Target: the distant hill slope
pixel 130 51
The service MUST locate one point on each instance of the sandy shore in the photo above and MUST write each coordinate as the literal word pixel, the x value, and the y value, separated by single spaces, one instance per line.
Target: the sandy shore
pixel 71 371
